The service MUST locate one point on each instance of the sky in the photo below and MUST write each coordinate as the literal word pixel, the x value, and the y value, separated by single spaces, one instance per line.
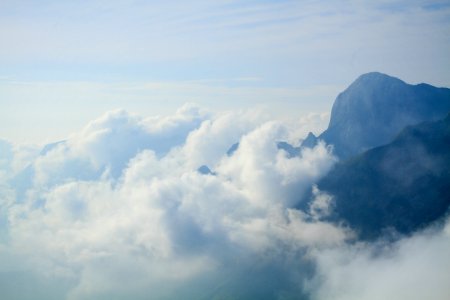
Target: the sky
pixel 108 109
pixel 64 63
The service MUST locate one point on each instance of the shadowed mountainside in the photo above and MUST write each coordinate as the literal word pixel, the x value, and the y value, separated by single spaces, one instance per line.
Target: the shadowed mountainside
pixel 404 185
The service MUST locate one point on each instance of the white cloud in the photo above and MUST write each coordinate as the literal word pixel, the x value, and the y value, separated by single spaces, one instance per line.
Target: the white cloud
pixel 321 205
pixel 119 209
pixel 207 144
pixel 265 173
pixel 106 145
pixel 415 267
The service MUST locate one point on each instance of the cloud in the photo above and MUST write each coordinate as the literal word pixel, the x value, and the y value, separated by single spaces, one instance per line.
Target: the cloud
pixel 106 144
pixel 119 210
pixel 14 157
pixel 6 154
pixel 119 207
pixel 319 40
pixel 123 31
pixel 415 267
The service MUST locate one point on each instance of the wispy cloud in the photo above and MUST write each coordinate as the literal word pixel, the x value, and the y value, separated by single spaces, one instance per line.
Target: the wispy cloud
pixel 127 31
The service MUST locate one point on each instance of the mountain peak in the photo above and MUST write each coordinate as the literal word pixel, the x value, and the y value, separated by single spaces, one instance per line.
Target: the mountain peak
pixel 375 107
pixel 371 76
pixel 375 81
pixel 310 141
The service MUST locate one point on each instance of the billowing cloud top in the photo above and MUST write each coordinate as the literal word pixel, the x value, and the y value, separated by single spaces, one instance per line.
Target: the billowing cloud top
pixel 119 211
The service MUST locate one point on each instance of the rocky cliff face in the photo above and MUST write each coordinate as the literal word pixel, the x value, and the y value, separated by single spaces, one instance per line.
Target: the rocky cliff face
pixel 374 108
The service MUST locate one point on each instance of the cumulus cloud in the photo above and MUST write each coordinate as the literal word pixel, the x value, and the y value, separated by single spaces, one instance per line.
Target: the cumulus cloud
pixel 14 158
pixel 119 210
pixel 108 143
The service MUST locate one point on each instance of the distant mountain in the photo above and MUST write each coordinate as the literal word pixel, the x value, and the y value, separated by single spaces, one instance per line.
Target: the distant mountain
pixel 404 185
pixel 205 170
pixel 373 110
pixel 232 149
pixel 290 150
pixel 310 141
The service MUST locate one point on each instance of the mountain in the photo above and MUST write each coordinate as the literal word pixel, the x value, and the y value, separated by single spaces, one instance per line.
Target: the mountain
pixel 374 108
pixel 404 185
pixel 205 170
pixel 232 149
pixel 290 150
pixel 310 141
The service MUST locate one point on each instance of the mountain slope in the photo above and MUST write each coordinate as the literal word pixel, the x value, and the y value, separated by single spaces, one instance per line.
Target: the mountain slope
pixel 374 108
pixel 404 185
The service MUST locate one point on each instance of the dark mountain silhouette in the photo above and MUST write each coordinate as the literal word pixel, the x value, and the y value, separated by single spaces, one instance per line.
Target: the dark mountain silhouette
pixel 373 110
pixel 404 185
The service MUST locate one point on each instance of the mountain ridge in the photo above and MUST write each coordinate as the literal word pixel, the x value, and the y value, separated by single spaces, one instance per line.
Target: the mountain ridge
pixel 375 107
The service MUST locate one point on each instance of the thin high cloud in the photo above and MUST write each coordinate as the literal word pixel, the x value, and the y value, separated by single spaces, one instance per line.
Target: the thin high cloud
pixel 151 32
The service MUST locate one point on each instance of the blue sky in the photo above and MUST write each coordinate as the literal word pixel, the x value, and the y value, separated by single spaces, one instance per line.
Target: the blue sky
pixel 63 63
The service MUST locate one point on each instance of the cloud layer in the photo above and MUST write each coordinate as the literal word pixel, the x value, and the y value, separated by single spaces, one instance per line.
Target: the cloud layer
pixel 118 210
pixel 412 268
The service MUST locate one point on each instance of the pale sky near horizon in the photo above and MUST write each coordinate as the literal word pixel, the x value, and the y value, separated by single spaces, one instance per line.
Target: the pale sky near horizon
pixel 63 63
